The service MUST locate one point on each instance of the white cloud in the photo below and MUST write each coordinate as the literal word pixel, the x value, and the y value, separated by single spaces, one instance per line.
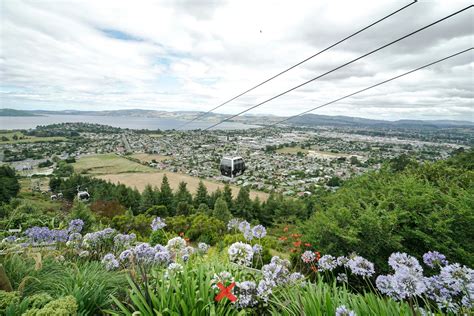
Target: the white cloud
pixel 193 55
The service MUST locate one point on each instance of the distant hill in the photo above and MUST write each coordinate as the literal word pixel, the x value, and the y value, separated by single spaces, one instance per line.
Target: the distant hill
pixel 310 120
pixel 314 120
pixel 12 112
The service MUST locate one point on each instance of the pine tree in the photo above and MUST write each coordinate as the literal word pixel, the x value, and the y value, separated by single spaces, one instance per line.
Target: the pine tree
pixel 202 197
pixel 166 195
pixel 227 195
pixel 149 198
pixel 221 211
pixel 243 204
pixel 183 195
pixel 213 197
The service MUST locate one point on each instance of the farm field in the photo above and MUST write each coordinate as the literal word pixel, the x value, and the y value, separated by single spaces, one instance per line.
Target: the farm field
pixel 108 164
pixel 26 139
pixel 139 181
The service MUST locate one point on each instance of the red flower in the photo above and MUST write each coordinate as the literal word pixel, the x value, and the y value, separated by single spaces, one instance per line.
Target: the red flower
pixel 307 244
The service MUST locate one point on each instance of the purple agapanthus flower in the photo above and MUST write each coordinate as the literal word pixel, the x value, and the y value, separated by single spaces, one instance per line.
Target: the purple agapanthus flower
pixel 434 259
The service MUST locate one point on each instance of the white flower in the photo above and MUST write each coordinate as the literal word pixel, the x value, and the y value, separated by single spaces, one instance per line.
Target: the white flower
pixel 327 263
pixel 241 253
pixel 361 266
pixel 157 224
pixel 176 245
pixel 308 256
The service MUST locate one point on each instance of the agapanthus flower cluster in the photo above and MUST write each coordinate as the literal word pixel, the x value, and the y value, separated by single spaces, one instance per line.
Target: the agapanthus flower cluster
pixel 257 248
pixel 259 231
pixel 110 262
pixel 74 240
pixel 175 268
pixel 98 240
pixel 360 266
pixel 125 256
pixel 75 226
pixel 158 224
pixel 122 241
pixel 327 263
pixel 248 235
pixel 406 282
pixel 264 290
pixel 308 256
pixel 244 226
pixel 203 247
pixel 296 277
pixel 233 224
pixel 144 253
pixel 176 245
pixel 453 288
pixel 38 235
pixel 276 272
pixel 434 259
pixel 246 292
pixel 344 311
pixel 241 253
pixel 9 239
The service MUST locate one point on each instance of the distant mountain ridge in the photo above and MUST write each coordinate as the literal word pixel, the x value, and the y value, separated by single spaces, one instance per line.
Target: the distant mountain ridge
pixel 317 120
pixel 311 120
pixel 12 112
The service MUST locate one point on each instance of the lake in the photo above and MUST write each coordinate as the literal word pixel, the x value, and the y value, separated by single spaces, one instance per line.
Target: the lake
pixel 151 123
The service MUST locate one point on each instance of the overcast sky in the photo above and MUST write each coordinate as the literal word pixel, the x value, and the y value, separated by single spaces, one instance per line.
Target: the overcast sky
pixel 193 55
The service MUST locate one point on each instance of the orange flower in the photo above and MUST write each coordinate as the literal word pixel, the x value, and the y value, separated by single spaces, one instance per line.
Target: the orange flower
pixel 307 244
pixel 318 255
pixel 314 268
pixel 283 238
pixel 181 234
pixel 297 243
pixel 186 239
pixel 285 229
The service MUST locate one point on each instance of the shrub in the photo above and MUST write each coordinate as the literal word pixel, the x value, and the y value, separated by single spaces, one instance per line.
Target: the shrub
pixel 7 299
pixel 65 306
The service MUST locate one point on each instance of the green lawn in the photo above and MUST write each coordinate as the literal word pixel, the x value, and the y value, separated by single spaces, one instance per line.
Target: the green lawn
pixel 291 150
pixel 108 164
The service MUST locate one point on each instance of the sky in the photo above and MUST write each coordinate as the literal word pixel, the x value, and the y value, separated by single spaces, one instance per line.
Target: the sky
pixel 194 55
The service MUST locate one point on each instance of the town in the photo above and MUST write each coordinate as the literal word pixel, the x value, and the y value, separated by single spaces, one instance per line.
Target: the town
pixel 291 161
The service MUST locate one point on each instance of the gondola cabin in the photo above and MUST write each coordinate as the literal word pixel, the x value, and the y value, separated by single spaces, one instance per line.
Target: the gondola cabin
pixel 232 166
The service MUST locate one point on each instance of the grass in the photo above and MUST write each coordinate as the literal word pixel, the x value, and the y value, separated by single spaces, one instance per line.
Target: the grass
pixel 27 139
pixel 139 181
pixel 291 150
pixel 323 299
pixel 108 164
pixel 150 157
pixel 88 282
